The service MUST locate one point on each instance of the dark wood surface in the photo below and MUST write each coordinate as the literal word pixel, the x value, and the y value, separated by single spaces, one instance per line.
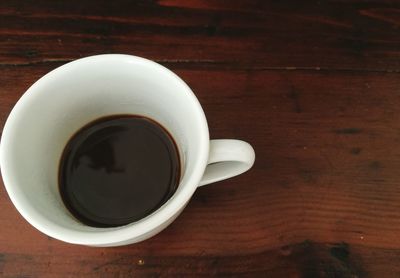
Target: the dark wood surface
pixel 314 86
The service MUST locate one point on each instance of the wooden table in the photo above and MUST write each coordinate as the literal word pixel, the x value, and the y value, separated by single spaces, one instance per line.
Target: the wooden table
pixel 314 87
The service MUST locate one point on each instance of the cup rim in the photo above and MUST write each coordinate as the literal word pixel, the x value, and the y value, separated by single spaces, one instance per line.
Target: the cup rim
pixel 103 236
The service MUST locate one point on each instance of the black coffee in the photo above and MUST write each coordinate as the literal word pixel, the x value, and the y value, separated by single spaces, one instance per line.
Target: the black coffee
pixel 117 170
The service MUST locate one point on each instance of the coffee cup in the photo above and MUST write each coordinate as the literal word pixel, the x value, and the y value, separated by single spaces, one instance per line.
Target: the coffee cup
pixel 67 98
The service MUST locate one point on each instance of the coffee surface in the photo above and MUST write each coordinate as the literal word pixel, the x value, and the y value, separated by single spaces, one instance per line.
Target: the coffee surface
pixel 117 170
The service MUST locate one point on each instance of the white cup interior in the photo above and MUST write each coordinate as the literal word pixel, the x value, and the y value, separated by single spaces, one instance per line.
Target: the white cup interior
pixel 66 99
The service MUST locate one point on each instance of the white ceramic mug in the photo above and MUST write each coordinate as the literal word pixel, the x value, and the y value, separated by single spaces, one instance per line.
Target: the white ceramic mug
pixel 69 97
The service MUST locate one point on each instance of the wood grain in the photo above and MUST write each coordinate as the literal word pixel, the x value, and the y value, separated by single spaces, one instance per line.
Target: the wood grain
pixel 314 87
pixel 264 34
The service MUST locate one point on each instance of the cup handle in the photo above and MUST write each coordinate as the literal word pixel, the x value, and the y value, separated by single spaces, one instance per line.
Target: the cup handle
pixel 227 158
